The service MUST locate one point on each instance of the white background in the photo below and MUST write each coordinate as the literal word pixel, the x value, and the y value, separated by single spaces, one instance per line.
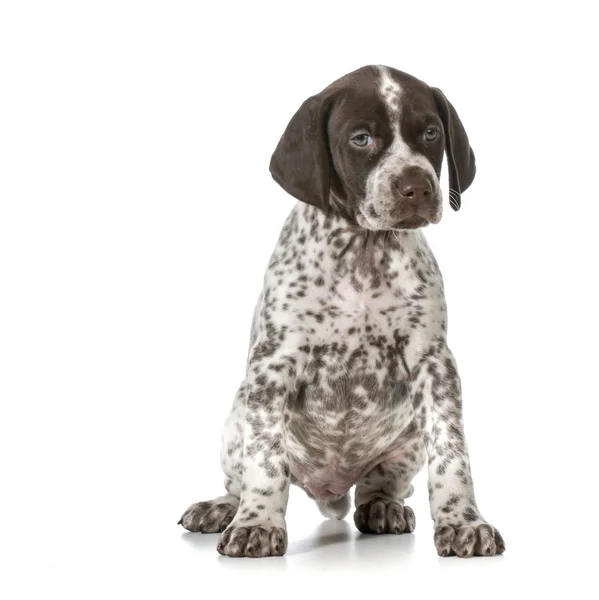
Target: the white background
pixel 137 217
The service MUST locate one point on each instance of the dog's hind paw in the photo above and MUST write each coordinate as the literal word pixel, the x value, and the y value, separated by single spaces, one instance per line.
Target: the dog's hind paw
pixel 211 516
pixel 384 516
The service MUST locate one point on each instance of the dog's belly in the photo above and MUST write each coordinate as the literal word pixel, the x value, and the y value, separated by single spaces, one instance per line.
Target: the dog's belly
pixel 339 432
pixel 334 479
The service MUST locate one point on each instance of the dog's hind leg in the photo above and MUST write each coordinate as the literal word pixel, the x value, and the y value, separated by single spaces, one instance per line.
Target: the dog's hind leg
pixel 381 493
pixel 213 516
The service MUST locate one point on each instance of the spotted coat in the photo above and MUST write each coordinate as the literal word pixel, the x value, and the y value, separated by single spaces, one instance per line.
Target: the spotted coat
pixel 349 378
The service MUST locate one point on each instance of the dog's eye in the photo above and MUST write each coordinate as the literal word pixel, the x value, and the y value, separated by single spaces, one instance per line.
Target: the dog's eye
pixel 430 134
pixel 362 140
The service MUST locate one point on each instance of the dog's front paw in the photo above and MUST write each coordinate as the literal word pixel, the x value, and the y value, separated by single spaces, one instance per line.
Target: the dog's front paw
pixel 384 516
pixel 466 539
pixel 254 541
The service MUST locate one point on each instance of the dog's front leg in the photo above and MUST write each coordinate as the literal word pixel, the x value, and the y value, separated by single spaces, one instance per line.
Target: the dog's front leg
pixel 259 528
pixel 459 527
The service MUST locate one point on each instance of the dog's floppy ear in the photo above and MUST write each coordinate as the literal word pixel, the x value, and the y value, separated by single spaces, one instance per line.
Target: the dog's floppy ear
pixel 300 163
pixel 460 157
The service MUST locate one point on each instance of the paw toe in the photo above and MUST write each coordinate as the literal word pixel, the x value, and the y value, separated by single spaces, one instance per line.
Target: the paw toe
pixel 278 541
pixel 396 521
pixel 376 517
pixel 410 519
pixel 444 537
pixel 499 543
pixel 485 543
pixel 464 542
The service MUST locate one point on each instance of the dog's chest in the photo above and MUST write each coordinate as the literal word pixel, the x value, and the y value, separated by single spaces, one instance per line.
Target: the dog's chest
pixel 362 316
pixel 353 404
pixel 359 330
pixel 355 351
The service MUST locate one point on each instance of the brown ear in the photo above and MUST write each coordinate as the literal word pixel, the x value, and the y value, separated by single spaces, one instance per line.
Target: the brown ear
pixel 460 157
pixel 300 163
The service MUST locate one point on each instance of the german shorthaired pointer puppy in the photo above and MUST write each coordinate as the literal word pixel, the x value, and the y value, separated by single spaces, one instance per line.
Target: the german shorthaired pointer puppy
pixel 349 377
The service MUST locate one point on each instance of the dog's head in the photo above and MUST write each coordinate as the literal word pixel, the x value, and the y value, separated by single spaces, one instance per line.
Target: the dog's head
pixel 373 142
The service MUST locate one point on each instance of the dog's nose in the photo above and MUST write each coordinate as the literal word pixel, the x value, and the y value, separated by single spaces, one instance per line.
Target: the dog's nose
pixel 415 189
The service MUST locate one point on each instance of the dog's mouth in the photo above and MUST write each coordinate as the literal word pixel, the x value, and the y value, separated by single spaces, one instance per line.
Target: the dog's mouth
pixel 413 222
pixel 400 217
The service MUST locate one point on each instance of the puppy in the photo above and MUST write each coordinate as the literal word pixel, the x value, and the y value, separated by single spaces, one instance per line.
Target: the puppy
pixel 349 377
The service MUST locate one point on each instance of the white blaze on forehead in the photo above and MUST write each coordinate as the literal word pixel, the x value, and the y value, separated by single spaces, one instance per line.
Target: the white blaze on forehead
pixel 390 90
pixel 399 153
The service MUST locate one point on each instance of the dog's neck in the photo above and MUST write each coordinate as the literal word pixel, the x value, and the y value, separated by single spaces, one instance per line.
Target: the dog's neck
pixel 349 246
